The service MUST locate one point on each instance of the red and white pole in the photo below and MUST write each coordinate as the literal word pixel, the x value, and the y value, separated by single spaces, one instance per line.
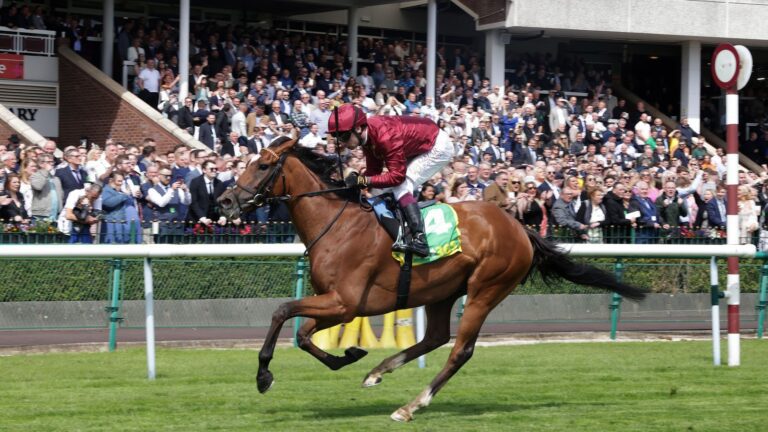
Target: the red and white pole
pixel 733 293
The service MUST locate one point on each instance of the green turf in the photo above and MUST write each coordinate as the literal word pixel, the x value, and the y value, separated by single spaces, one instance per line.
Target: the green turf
pixel 551 387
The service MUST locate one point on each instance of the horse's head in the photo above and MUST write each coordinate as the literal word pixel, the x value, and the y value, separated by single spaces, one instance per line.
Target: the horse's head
pixel 257 183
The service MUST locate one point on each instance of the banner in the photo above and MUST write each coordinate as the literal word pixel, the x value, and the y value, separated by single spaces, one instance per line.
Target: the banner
pixel 11 66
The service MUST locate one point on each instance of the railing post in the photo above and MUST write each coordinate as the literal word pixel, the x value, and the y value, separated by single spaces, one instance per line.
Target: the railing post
pixel 114 308
pixel 762 300
pixel 715 297
pixel 618 270
pixel 300 266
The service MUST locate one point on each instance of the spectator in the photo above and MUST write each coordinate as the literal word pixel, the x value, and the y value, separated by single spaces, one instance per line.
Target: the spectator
pixel 207 133
pixel 12 206
pixel 671 208
pixel 115 228
pixel 748 212
pixel 204 191
pixel 648 222
pixel 28 168
pixel 535 210
pixel 564 212
pixel 592 214
pixel 496 192
pixel 619 212
pixel 460 192
pixel 72 176
pixel 47 193
pixel 149 83
pixel 168 199
pixel 82 211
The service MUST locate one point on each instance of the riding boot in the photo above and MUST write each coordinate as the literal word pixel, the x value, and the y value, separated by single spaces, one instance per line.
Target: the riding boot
pixel 418 244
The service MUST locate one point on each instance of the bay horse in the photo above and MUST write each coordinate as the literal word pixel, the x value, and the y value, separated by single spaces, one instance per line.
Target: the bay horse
pixel 354 274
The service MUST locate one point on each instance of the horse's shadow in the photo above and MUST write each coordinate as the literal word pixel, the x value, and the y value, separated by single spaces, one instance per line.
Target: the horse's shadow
pixel 443 408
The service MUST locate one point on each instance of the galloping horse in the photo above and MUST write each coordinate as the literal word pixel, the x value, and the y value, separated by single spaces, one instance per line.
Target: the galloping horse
pixel 354 274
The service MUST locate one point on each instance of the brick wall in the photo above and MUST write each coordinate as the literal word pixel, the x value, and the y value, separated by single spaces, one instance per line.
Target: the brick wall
pixel 6 131
pixel 488 11
pixel 87 108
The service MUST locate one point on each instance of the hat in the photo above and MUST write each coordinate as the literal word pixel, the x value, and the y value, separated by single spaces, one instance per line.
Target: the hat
pixel 14 139
pixel 529 179
pixel 165 172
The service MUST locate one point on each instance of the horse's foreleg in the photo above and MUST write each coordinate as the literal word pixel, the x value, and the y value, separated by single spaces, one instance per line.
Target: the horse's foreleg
pixel 437 334
pixel 304 339
pixel 327 306
pixel 474 316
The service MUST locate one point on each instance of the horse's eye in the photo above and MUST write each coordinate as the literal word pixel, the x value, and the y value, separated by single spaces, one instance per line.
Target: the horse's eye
pixel 263 167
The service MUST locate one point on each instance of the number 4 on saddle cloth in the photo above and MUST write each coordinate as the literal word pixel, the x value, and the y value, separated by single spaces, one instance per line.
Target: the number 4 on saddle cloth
pixel 440 226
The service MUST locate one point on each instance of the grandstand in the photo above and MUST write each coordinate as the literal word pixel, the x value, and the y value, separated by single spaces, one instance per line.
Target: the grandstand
pixel 518 93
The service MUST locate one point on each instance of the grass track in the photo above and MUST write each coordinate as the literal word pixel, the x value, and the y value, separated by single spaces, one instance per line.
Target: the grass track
pixel 643 386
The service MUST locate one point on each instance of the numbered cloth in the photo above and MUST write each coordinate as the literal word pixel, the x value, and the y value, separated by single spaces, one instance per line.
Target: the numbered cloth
pixel 441 225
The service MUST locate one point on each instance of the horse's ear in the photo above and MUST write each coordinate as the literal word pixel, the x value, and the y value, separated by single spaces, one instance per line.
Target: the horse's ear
pixel 295 134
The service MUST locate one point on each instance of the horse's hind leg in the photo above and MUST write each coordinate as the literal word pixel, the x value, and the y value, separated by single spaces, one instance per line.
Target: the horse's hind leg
pixel 304 339
pixel 437 334
pixel 324 307
pixel 475 313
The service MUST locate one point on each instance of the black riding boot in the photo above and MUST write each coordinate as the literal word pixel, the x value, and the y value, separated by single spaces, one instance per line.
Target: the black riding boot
pixel 418 244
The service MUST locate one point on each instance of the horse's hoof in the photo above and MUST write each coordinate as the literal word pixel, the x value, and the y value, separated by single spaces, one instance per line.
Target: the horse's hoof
pixel 401 415
pixel 371 381
pixel 355 353
pixel 264 382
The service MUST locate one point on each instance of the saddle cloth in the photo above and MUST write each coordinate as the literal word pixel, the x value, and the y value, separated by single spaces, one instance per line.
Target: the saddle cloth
pixel 441 226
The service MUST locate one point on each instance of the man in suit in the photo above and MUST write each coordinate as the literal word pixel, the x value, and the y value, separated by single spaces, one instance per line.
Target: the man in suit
pixel 564 212
pixel 203 190
pixel 186 116
pixel 72 176
pixel 232 145
pixel 207 133
pixel 277 115
pixel 716 209
pixel 496 192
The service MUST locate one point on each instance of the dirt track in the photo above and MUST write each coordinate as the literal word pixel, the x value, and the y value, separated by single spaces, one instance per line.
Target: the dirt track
pixel 21 341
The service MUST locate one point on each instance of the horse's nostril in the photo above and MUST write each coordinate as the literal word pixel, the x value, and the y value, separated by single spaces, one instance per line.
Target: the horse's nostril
pixel 226 202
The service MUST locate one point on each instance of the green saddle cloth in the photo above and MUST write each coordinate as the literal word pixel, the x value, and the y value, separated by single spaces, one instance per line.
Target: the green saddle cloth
pixel 441 225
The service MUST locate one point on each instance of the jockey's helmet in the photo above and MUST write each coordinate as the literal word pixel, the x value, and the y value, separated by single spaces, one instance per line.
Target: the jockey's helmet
pixel 346 118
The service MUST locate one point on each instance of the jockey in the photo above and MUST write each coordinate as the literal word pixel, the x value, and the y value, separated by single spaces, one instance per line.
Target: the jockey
pixel 412 150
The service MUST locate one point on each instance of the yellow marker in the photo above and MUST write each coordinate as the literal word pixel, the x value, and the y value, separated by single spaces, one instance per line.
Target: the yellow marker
pixel 404 328
pixel 334 336
pixel 351 333
pixel 388 332
pixel 322 339
pixel 367 337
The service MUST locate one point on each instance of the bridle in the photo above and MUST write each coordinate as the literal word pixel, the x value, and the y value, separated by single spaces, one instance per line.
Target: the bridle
pixel 261 195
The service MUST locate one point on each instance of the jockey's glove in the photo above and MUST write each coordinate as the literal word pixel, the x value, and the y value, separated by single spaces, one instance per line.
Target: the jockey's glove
pixel 355 180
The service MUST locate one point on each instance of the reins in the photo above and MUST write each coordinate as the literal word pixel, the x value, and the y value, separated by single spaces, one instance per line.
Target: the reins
pixel 259 196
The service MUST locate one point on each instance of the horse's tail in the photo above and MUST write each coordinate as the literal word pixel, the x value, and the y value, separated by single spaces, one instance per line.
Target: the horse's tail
pixel 553 263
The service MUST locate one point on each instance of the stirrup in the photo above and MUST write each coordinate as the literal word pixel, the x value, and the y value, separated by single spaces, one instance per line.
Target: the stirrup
pixel 400 244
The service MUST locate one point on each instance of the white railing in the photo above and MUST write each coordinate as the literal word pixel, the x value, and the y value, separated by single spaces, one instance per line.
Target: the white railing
pixel 22 41
pixel 148 252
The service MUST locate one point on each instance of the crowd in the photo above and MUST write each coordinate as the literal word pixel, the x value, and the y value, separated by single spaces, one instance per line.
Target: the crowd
pixel 551 145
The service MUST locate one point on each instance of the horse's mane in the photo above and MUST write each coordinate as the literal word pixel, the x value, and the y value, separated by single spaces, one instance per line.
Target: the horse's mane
pixel 321 165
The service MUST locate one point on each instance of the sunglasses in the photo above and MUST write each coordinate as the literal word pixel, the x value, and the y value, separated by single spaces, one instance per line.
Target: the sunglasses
pixel 515 182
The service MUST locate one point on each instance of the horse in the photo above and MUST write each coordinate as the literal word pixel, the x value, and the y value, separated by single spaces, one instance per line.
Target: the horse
pixel 354 274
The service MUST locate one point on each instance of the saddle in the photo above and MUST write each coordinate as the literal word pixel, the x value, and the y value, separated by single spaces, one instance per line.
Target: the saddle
pixel 445 240
pixel 390 215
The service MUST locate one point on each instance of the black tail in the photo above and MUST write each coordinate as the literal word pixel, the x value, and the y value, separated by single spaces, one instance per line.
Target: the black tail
pixel 552 264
